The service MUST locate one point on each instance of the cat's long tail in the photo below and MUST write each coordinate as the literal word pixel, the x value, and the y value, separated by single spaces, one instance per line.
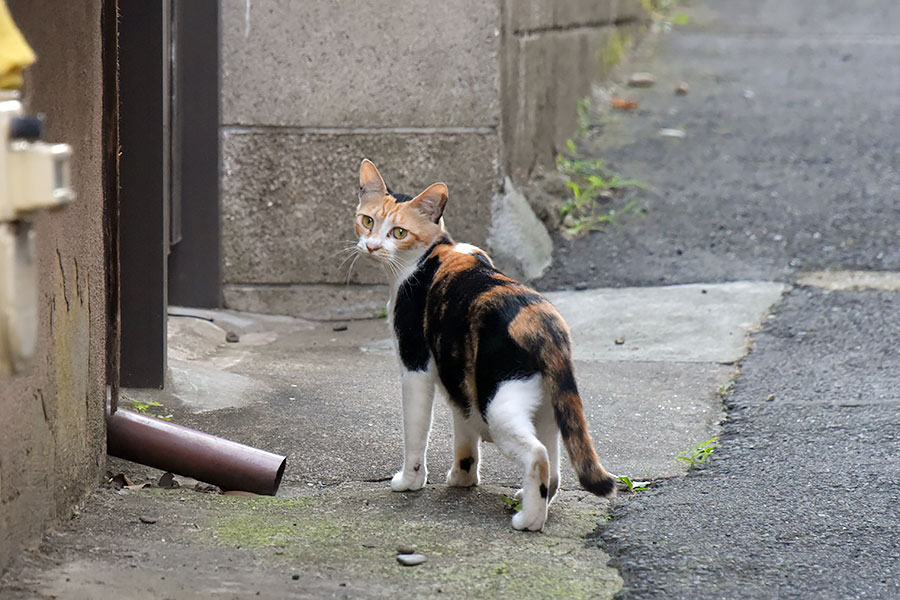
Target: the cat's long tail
pixel 573 428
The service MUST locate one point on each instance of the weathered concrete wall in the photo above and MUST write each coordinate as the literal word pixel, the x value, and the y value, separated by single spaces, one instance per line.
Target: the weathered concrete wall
pixel 553 51
pixel 52 442
pixel 462 91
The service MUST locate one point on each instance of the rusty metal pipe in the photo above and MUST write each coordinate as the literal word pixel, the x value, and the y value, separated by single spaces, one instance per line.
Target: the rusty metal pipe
pixel 183 451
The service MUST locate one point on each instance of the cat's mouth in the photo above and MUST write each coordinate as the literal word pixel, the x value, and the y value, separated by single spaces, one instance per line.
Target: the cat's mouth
pixel 381 254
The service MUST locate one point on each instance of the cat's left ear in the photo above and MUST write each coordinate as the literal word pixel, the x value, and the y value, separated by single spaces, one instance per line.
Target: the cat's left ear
pixel 431 202
pixel 370 179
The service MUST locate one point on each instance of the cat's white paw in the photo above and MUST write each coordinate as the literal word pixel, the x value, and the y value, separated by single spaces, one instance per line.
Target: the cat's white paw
pixel 409 481
pixel 457 477
pixel 529 520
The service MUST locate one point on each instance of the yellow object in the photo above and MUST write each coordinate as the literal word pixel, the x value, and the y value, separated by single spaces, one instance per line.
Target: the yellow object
pixel 15 53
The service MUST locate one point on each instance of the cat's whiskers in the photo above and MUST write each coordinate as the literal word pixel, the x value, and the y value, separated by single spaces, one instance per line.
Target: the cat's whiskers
pixel 398 267
pixel 348 252
pixel 349 246
pixel 346 258
pixel 350 269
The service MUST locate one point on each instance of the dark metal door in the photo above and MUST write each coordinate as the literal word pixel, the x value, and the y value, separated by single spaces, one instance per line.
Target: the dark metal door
pixel 168 173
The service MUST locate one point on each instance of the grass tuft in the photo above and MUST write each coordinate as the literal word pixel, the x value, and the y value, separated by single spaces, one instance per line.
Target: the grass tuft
pixel 699 454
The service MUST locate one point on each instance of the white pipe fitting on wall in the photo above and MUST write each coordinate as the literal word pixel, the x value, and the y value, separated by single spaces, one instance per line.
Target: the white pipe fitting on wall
pixel 34 176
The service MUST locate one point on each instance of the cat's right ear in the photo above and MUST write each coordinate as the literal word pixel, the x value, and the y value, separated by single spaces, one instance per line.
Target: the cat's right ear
pixel 370 180
pixel 431 202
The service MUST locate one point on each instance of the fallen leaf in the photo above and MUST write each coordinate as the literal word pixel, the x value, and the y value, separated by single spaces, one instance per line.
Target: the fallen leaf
pixel 167 481
pixel 120 481
pixel 623 104
pixel 206 488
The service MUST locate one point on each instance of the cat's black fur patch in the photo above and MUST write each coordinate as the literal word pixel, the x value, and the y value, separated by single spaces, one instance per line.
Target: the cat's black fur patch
pixel 499 357
pixel 483 259
pixel 466 463
pixel 448 310
pixel 400 198
pixel 543 491
pixel 409 313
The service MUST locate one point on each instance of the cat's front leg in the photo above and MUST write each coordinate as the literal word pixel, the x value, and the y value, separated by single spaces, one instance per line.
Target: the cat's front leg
pixel 418 399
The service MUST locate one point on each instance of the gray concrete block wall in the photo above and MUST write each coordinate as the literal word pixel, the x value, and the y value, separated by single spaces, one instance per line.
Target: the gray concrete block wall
pixel 463 91
pixel 363 64
pixel 289 196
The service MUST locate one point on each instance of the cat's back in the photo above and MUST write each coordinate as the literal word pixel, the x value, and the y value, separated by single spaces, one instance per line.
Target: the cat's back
pixel 466 283
pixel 483 327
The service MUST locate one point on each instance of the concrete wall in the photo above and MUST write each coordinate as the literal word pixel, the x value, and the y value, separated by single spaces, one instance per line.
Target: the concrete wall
pixel 460 91
pixel 52 439
pixel 553 51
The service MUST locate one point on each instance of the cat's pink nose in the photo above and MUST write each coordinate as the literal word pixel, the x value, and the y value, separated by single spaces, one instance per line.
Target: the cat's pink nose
pixel 373 245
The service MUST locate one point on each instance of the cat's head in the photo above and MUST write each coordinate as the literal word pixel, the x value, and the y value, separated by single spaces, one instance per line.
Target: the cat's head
pixel 392 227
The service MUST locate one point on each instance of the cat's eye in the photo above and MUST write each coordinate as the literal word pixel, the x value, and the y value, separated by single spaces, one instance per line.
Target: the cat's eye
pixel 399 233
pixel 367 221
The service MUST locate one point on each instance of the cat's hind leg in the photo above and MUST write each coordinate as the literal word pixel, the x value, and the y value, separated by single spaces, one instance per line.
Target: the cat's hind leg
pixel 466 441
pixel 548 434
pixel 418 399
pixel 510 418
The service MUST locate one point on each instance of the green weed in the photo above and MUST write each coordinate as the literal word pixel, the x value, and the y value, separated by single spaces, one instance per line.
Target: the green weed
pixel 582 109
pixel 590 183
pixel 725 389
pixel 150 407
pixel 631 485
pixel 511 503
pixel 381 314
pixel 698 455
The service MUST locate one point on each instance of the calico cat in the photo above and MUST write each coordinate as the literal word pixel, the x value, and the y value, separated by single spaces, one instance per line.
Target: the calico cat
pixel 500 353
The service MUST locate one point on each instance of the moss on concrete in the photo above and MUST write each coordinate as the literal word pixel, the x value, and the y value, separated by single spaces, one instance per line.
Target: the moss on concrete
pixel 353 533
pixel 613 51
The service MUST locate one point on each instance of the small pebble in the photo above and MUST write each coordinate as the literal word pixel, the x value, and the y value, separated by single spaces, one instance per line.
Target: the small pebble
pixel 770 397
pixel 411 560
pixel 147 520
pixel 295 577
pixel 671 133
pixel 232 338
pixel 641 80
pixel 581 285
pixel 405 549
pixel 620 341
pixel 682 88
pixel 339 328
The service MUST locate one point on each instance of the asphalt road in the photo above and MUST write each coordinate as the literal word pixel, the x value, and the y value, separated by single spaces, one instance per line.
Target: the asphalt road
pixel 800 500
pixel 790 157
pixel 789 164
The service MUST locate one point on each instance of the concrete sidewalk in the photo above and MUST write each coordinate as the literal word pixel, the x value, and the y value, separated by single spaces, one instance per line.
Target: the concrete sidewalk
pixel 328 398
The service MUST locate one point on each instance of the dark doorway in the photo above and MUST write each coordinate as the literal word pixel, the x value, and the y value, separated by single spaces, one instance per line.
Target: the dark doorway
pixel 168 173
